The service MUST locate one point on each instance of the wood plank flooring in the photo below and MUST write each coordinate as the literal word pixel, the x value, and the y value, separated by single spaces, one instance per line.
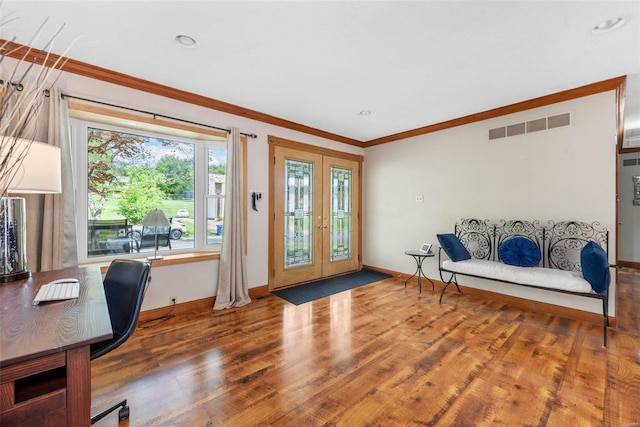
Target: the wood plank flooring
pixel 378 355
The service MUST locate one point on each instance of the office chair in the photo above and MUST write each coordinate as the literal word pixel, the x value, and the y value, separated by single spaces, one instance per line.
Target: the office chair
pixel 124 287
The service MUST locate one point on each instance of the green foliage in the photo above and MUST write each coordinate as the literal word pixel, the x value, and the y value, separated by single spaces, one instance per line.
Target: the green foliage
pixel 177 175
pixel 126 179
pixel 170 207
pixel 218 169
pixel 141 195
pixel 109 155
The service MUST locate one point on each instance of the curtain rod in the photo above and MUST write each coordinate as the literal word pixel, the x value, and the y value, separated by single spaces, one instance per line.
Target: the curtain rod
pixel 248 135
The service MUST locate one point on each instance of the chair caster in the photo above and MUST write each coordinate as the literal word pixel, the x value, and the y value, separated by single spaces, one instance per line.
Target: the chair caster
pixel 123 413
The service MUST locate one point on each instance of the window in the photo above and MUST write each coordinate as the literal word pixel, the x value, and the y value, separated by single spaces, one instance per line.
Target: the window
pixel 215 194
pixel 124 173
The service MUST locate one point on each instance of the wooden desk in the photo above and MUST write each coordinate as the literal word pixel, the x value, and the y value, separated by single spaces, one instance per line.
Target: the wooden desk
pixel 45 366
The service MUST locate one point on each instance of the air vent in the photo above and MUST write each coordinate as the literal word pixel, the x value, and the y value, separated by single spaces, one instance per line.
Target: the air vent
pixel 497 133
pixel 517 129
pixel 630 162
pixel 536 125
pixel 559 121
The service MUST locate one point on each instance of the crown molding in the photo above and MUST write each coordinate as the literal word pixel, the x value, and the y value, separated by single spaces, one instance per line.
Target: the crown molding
pixel 73 66
pixel 566 95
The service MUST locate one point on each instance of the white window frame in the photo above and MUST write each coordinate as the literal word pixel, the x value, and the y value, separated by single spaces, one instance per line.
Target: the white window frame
pixel 78 132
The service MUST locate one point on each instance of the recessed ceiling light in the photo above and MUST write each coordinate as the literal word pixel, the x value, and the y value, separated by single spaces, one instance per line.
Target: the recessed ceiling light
pixel 365 112
pixel 609 25
pixel 186 41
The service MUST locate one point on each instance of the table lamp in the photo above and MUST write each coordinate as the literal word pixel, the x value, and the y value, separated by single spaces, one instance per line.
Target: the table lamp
pixel 39 173
pixel 155 218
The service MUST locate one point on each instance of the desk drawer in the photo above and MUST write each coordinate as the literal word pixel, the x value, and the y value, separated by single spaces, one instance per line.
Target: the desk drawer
pixel 34 392
pixel 43 411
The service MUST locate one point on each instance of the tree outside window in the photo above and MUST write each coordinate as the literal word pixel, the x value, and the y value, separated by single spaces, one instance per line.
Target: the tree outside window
pixel 127 176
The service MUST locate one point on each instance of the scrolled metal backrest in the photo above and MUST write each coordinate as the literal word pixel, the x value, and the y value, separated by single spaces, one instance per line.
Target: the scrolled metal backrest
pixel 565 240
pixel 476 235
pixel 529 229
pixel 560 243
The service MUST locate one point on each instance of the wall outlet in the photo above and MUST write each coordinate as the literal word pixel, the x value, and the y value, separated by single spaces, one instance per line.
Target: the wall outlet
pixel 419 199
pixel 173 300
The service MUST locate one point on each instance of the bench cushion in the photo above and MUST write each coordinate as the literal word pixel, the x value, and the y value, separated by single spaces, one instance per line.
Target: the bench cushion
pixel 535 276
pixel 519 251
pixel 595 266
pixel 454 249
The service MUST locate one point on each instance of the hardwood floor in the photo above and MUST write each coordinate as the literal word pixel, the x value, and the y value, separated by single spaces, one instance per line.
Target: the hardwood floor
pixel 378 355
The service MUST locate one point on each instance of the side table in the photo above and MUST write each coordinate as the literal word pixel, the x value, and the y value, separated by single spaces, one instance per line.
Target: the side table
pixel 419 256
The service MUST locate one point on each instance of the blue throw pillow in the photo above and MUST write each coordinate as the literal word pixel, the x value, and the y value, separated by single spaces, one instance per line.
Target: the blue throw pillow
pixel 519 251
pixel 454 249
pixel 595 266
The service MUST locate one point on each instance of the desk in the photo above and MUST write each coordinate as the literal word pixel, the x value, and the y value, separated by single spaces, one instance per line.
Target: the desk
pixel 419 256
pixel 45 365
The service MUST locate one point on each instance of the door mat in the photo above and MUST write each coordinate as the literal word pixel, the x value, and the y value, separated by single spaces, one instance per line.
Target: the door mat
pixel 311 291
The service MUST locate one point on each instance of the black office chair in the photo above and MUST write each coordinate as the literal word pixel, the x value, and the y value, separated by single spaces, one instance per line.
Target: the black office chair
pixel 124 286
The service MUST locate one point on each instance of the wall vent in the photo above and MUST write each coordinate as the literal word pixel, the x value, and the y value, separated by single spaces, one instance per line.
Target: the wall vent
pixel 536 125
pixel 497 133
pixel 517 129
pixel 559 120
pixel 630 162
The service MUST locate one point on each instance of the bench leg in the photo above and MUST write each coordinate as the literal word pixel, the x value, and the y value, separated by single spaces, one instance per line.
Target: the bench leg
pixel 605 322
pixel 453 279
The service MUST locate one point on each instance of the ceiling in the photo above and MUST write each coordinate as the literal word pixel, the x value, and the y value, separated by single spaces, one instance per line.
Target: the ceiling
pixel 409 63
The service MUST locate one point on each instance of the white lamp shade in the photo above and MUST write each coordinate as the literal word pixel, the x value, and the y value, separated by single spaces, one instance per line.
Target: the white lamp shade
pixel 40 171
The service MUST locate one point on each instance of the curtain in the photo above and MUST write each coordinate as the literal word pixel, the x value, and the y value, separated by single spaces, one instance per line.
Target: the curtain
pixel 233 290
pixel 70 242
pixel 51 230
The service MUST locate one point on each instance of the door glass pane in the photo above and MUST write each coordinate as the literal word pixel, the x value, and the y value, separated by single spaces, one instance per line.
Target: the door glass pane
pixel 298 214
pixel 341 184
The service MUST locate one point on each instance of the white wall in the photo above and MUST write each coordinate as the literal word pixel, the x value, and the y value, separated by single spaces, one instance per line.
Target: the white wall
pixel 190 281
pixel 193 281
pixel 565 173
pixel 629 214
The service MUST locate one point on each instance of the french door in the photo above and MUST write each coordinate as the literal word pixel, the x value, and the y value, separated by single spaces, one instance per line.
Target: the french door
pixel 315 210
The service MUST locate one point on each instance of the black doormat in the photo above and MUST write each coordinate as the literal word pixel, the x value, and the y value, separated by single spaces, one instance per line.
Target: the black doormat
pixel 311 291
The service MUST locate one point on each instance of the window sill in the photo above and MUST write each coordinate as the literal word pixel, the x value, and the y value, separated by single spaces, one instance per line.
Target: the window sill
pixel 167 260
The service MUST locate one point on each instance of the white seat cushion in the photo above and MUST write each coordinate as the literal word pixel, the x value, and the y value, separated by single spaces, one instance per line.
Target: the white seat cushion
pixel 537 276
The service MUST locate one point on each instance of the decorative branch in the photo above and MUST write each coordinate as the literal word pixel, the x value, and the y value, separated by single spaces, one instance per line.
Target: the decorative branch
pixel 22 93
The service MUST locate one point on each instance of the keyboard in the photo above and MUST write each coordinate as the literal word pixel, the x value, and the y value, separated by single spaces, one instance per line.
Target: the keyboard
pixel 57 292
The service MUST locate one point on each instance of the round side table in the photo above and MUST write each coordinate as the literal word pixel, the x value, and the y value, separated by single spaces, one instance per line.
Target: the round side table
pixel 419 257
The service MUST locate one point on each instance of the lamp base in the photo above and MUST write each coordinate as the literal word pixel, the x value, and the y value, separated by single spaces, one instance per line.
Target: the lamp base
pixel 155 257
pixel 12 277
pixel 13 240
